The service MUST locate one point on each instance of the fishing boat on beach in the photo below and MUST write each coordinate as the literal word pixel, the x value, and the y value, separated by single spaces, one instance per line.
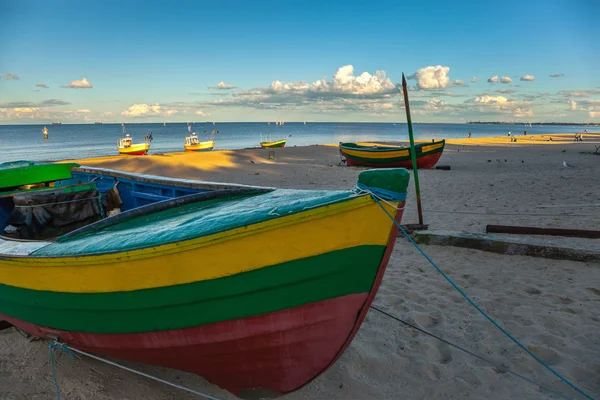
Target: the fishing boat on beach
pixel 166 271
pixel 192 143
pixel 384 156
pixel 126 146
pixel 273 144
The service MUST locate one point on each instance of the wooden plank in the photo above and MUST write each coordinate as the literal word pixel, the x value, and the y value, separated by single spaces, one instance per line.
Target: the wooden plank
pixel 511 246
pixel 529 230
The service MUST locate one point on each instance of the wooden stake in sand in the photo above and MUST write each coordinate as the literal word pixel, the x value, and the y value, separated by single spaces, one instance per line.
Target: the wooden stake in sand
pixel 413 154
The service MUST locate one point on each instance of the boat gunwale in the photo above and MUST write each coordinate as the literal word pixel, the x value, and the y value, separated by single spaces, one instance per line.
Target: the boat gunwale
pixel 165 180
pixel 387 148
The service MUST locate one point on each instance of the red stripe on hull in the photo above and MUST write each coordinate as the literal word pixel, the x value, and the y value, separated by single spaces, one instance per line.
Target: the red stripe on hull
pixel 135 153
pixel 424 162
pixel 279 351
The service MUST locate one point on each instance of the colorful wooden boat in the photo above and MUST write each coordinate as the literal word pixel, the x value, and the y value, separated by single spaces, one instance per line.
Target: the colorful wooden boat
pixel 176 280
pixel 273 144
pixel 126 146
pixel 376 156
pixel 20 173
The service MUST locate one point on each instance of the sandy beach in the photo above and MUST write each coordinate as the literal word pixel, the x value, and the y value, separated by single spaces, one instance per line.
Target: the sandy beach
pixel 551 306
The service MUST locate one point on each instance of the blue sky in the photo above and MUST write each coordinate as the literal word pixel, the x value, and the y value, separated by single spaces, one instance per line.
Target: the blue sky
pixel 286 60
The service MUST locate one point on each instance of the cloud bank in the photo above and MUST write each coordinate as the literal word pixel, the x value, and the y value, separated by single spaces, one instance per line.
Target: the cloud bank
pixel 145 110
pixel 527 78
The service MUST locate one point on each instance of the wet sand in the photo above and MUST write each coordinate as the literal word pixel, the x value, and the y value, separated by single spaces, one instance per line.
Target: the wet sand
pixel 551 306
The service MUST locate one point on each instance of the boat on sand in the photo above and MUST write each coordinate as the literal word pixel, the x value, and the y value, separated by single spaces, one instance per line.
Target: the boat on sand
pixel 192 143
pixel 174 278
pixel 273 144
pixel 385 156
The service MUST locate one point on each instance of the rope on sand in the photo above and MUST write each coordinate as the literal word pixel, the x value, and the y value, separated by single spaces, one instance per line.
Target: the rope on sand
pixel 67 349
pixel 501 368
pixel 565 380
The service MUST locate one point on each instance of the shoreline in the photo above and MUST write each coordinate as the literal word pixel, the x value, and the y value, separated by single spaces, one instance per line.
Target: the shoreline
pixel 541 139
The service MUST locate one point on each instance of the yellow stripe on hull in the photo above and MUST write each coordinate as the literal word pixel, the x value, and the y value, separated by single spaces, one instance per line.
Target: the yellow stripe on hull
pixel 432 147
pixel 376 154
pixel 202 146
pixel 338 226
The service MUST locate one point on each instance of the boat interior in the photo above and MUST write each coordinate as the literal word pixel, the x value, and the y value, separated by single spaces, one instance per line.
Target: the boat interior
pixel 96 197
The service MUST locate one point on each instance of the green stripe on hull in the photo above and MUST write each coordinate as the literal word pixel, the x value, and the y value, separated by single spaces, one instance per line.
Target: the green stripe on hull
pixel 268 289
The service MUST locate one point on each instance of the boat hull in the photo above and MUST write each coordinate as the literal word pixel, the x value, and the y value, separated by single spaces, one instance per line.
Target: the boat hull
pixel 28 173
pixel 291 346
pixel 267 322
pixel 428 154
pixel 202 146
pixel 139 149
pixel 272 145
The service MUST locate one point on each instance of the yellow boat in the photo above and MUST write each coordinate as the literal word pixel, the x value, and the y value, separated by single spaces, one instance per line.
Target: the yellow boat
pixel 126 146
pixel 192 143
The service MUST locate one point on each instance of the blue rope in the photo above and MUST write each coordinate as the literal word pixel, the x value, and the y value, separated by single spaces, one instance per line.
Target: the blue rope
pixel 382 193
pixel 64 348
pixel 565 380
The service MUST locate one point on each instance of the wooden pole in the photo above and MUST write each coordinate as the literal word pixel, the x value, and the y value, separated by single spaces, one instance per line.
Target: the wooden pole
pixel 529 230
pixel 413 154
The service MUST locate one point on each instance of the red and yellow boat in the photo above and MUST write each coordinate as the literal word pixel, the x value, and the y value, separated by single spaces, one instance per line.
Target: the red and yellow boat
pixel 386 156
pixel 175 280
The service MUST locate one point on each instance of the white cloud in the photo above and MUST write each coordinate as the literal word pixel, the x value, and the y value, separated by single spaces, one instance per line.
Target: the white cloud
pixel 523 112
pixel 594 114
pixel 23 113
pixel 528 78
pixel 222 86
pixel 573 105
pixel 202 113
pixel 493 79
pixel 432 77
pixel 108 115
pixel 83 111
pixel 506 90
pixel 474 79
pixel 505 79
pixel 556 75
pixel 434 104
pixel 82 84
pixel 42 85
pixel 145 110
pixel 8 76
pixel 490 99
pixel 458 82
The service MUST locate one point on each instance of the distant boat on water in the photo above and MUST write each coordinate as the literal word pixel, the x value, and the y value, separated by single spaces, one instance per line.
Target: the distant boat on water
pixel 98 123
pixel 56 123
